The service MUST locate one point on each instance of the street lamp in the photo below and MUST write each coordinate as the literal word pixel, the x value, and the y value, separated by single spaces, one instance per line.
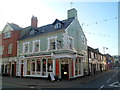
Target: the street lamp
pixel 104 49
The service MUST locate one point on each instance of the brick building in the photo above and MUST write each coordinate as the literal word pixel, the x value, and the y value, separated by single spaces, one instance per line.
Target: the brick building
pixel 8 46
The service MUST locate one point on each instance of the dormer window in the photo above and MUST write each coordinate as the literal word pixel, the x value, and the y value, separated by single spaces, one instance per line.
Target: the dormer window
pixel 32 32
pixel 57 25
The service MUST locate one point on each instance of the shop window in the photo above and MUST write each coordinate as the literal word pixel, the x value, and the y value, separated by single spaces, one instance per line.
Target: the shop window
pixel 38 65
pixel 50 65
pixel 76 67
pixel 28 67
pixel 33 65
pixel 44 65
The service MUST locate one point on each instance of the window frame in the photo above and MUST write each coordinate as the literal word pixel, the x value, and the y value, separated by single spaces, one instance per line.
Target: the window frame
pixel 50 43
pixel 7 35
pixel 72 43
pixel 10 46
pixel 35 45
pixel 28 47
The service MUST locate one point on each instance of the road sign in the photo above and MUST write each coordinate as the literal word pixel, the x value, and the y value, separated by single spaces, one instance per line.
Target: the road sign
pixel 115 84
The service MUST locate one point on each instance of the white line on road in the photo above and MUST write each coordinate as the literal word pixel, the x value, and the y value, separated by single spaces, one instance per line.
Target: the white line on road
pixel 113 75
pixel 32 87
pixel 108 80
pixel 101 87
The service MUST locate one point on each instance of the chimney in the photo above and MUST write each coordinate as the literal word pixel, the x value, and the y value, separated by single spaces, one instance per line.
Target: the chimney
pixel 72 13
pixel 34 21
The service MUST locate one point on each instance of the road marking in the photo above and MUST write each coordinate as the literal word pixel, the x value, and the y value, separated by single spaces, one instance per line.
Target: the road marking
pixel 115 84
pixel 101 87
pixel 108 80
pixel 113 75
pixel 32 87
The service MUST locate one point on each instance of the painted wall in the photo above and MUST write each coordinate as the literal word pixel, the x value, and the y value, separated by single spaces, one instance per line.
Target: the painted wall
pixel 43 41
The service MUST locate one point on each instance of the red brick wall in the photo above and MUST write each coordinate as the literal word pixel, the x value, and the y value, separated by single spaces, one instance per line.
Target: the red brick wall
pixel 12 40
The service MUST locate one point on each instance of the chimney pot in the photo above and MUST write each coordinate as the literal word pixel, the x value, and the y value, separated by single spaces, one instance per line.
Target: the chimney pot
pixel 34 21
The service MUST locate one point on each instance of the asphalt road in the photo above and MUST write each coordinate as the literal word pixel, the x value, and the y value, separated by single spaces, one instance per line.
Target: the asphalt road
pixel 108 81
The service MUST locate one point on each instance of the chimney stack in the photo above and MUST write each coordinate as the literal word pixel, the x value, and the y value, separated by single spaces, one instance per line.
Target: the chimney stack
pixel 72 13
pixel 34 21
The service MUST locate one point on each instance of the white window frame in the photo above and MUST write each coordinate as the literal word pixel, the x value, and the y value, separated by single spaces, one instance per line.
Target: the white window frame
pixel 57 25
pixel 2 49
pixel 10 46
pixel 55 37
pixel 34 46
pixel 7 35
pixel 28 47
pixel 72 43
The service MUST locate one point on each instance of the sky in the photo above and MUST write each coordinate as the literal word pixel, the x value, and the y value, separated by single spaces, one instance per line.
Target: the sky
pixel 104 33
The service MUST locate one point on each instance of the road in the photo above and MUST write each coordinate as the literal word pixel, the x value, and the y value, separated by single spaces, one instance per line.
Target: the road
pixel 110 80
pixel 105 80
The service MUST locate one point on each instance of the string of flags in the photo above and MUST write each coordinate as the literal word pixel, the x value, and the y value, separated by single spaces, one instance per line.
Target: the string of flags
pixel 99 34
pixel 97 22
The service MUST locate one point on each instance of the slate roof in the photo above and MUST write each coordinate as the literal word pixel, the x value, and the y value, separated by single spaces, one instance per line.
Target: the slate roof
pixel 93 50
pixel 14 26
pixel 25 33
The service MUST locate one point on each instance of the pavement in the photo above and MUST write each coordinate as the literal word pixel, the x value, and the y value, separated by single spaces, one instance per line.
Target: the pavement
pixel 10 82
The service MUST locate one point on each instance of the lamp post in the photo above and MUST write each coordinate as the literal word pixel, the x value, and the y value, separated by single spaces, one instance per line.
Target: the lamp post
pixel 104 49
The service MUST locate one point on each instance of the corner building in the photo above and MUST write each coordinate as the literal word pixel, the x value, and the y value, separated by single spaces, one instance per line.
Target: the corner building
pixel 59 48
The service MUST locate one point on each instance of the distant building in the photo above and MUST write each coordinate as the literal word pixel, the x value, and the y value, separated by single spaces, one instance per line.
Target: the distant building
pixel 96 61
pixel 110 61
pixel 8 48
pixel 116 60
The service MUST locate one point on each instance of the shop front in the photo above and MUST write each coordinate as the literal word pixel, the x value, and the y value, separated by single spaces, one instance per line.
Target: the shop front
pixel 62 66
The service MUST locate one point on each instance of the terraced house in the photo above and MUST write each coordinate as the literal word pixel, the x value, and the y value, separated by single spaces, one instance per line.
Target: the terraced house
pixel 59 48
pixel 97 61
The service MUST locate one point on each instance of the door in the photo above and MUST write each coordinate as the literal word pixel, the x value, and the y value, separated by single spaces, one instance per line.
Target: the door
pixel 65 71
pixel 13 70
pixel 21 70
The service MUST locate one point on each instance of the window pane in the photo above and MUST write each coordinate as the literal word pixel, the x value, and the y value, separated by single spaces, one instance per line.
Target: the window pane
pixel 44 65
pixel 50 65
pixel 59 44
pixel 52 44
pixel 36 44
pixel 38 65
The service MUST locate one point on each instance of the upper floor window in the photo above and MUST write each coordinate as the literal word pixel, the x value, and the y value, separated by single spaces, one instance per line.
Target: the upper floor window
pixel 83 40
pixel 52 44
pixel 57 25
pixel 92 55
pixel 36 46
pixel 71 43
pixel 10 49
pixel 59 44
pixel 7 35
pixel 26 47
pixel 1 49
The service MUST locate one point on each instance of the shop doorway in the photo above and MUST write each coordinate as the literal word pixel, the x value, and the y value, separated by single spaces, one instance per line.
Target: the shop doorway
pixel 21 70
pixel 65 71
pixel 13 70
